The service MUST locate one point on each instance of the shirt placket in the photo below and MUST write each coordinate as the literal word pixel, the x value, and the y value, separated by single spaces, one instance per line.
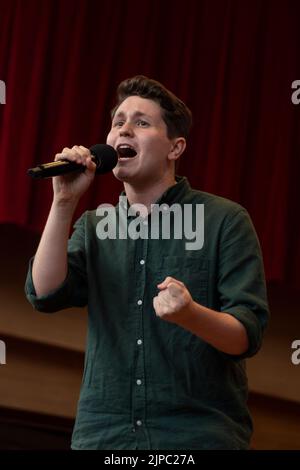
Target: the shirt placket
pixel 139 373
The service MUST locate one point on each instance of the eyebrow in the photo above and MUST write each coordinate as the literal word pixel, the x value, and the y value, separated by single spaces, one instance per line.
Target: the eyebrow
pixel 135 114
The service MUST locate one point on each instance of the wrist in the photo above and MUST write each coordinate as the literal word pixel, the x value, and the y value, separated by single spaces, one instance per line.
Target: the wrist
pixel 65 203
pixel 186 315
pixel 64 208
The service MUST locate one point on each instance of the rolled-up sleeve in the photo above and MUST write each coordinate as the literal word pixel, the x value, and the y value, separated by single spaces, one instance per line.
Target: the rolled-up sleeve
pixel 241 282
pixel 73 291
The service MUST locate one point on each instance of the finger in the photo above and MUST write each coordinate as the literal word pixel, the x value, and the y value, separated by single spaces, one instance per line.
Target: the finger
pixel 155 304
pixel 85 152
pixel 160 308
pixel 166 282
pixel 84 148
pixel 175 289
pixel 81 153
pixel 62 154
pixel 69 154
pixel 163 295
pixel 91 166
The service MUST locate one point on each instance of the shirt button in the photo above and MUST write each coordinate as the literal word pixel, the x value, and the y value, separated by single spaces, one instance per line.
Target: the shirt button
pixel 139 422
pixel 142 261
pixel 139 382
pixel 139 342
pixel 139 302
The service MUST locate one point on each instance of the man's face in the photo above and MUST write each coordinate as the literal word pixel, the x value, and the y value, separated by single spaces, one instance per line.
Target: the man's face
pixel 138 125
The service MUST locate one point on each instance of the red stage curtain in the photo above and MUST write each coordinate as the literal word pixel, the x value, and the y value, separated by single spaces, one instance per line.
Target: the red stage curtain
pixel 233 62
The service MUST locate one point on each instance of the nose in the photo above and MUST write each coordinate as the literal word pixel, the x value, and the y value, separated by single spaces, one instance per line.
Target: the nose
pixel 126 129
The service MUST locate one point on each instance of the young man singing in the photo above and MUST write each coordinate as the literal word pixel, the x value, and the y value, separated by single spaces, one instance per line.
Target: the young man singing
pixel 169 327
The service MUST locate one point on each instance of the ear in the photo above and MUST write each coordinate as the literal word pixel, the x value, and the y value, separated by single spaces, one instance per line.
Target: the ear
pixel 177 148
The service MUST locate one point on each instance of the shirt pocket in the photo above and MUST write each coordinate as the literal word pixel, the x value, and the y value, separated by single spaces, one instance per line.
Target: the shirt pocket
pixel 192 271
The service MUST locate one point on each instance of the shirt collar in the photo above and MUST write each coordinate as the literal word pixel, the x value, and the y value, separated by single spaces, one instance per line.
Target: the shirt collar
pixel 176 192
pixel 173 194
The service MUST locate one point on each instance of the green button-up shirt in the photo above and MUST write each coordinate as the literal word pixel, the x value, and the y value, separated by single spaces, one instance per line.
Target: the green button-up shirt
pixel 148 383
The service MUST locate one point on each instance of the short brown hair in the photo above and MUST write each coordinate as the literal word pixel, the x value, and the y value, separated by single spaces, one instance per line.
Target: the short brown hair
pixel 175 113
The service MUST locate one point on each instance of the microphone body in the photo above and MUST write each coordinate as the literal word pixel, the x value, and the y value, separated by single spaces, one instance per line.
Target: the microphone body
pixel 103 155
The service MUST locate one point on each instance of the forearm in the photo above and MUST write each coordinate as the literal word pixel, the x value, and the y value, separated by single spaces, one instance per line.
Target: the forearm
pixel 50 263
pixel 219 329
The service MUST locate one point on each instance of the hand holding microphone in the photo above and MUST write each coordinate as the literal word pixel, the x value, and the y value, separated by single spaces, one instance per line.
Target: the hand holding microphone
pixel 104 156
pixel 74 169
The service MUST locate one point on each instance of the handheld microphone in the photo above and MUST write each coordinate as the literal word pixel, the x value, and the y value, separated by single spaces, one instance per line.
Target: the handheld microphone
pixel 103 155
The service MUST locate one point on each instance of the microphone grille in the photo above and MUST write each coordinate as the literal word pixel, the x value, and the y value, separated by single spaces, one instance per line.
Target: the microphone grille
pixel 106 156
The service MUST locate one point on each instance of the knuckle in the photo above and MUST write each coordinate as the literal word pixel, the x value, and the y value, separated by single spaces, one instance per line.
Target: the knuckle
pixel 76 149
pixel 84 149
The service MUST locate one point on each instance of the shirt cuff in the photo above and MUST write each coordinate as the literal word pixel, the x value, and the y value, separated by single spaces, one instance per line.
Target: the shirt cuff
pixel 56 299
pixel 253 329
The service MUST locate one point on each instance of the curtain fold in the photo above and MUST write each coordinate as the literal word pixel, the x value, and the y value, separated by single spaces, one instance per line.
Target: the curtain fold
pixel 232 62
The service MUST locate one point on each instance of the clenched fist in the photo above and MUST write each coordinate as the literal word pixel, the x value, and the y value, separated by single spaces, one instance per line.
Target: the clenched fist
pixel 173 301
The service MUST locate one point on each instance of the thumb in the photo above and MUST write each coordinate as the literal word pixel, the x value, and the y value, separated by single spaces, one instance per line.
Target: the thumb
pixel 165 283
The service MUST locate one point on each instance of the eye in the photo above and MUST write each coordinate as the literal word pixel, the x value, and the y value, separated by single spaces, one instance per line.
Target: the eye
pixel 142 123
pixel 118 123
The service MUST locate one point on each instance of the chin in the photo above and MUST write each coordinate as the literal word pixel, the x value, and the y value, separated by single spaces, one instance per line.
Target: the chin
pixel 122 175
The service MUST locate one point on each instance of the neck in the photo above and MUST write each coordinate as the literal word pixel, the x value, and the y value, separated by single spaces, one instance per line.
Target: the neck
pixel 148 194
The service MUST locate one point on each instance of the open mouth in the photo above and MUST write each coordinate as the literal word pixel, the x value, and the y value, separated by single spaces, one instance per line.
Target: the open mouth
pixel 125 151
